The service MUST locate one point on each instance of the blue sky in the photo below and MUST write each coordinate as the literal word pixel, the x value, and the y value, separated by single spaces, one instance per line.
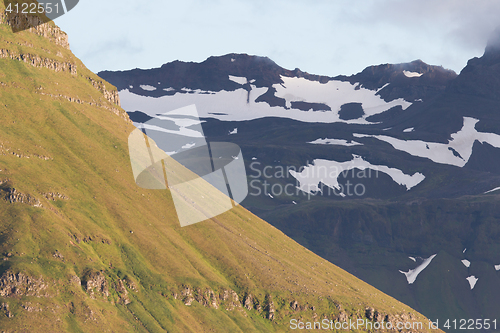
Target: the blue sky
pixel 328 37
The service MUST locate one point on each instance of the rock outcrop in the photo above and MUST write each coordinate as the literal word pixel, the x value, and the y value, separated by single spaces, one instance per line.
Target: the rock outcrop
pixel 248 302
pixel 95 283
pixel 122 291
pixel 19 284
pixel 231 299
pixel 270 308
pixel 37 25
pixel 14 196
pixel 4 150
pixel 40 62
pixel 53 196
pixel 31 307
pixel 4 307
pixel 207 298
pixel 110 95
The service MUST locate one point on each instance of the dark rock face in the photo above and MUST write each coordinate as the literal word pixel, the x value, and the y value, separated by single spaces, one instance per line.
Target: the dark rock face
pixel 351 111
pixel 305 106
pixel 392 113
pixel 139 117
pixel 485 158
pixel 270 98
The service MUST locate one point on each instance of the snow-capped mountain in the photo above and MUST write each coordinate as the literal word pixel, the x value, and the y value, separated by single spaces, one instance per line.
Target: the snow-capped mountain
pixel 390 173
pixel 256 87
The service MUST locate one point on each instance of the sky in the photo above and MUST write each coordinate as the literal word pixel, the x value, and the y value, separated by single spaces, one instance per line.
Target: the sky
pixel 326 37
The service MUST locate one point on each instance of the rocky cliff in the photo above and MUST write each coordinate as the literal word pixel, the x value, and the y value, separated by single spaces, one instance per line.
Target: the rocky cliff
pixel 48 30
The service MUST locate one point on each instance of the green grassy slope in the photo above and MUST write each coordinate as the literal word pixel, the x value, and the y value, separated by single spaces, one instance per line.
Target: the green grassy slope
pixel 83 249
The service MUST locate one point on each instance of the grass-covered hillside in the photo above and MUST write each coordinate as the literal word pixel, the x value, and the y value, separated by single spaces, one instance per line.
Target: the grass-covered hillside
pixel 83 249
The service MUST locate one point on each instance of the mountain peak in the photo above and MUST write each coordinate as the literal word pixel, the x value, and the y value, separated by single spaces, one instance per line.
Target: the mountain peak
pixel 234 57
pixel 411 80
pixel 493 46
pixel 481 75
pixel 209 75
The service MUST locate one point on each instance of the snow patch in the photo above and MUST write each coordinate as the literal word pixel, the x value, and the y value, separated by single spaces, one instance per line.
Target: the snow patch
pixel 411 129
pixel 327 172
pixel 385 85
pixel 269 194
pixel 182 131
pixel 182 122
pixel 466 263
pixel 412 258
pixel 169 89
pixel 493 190
pixel 254 158
pixel 240 105
pixel 339 142
pixel 497 267
pixel 188 145
pixel 238 79
pixel 235 131
pixel 412 274
pixel 412 74
pixel 472 281
pixel 147 87
pixel 182 118
pixel 456 152
pixel 334 94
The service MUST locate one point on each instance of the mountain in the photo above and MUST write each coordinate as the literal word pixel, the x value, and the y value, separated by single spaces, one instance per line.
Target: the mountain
pixel 84 249
pixel 391 174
